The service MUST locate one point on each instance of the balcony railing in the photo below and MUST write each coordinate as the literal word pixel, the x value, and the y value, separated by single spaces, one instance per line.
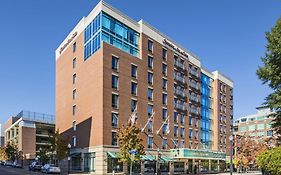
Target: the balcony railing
pixel 179 78
pixel 180 106
pixel 193 72
pixel 193 98
pixel 179 65
pixel 194 111
pixel 179 92
pixel 194 85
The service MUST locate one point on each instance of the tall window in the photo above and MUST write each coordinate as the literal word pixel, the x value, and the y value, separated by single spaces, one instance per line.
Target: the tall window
pixel 114 63
pixel 182 118
pixel 164 114
pixel 74 141
pixel 114 100
pixel 182 132
pixel 175 117
pixel 74 110
pixel 181 144
pixel 164 53
pixel 164 143
pixel 150 46
pixel 164 69
pixel 114 120
pixel 164 84
pixel 150 127
pixel 74 125
pixel 114 82
pixel 74 63
pixel 74 47
pixel 175 131
pixel 134 71
pixel 150 62
pixel 190 120
pixel 134 88
pixel 150 78
pixel 74 78
pixel 164 99
pixel 133 105
pixel 150 109
pixel 114 138
pixel 150 94
pixel 74 94
pixel 150 142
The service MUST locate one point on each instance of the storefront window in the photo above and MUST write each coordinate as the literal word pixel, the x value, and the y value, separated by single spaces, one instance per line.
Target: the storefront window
pixel 89 162
pixel 114 165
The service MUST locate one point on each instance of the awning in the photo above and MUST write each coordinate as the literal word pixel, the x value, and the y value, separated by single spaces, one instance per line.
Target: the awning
pixel 166 159
pixel 75 155
pixel 147 157
pixel 112 154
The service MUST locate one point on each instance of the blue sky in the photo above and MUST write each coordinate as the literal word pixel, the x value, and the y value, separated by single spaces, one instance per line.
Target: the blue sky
pixel 226 35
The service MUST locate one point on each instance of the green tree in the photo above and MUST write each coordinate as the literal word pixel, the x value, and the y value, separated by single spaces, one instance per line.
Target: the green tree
pixel 270 160
pixel 129 139
pixel 58 145
pixel 11 151
pixel 270 72
pixel 3 155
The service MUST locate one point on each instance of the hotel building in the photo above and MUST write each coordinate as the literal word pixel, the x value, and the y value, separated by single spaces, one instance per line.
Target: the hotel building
pixel 257 126
pixel 29 131
pixel 110 64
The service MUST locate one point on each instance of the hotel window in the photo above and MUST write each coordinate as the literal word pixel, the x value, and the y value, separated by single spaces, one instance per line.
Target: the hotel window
pixel 252 127
pixel 150 127
pixel 74 141
pixel 175 131
pixel 181 144
pixel 182 118
pixel 175 117
pixel 150 110
pixel 114 138
pixel 164 99
pixel 74 63
pixel 134 71
pixel 150 78
pixel 195 135
pixel 74 110
pixel 74 78
pixel 182 132
pixel 133 105
pixel 164 84
pixel 269 133
pixel 190 120
pixel 150 94
pixel 260 134
pixel 195 122
pixel 114 63
pixel 150 46
pixel 150 62
pixel 74 47
pixel 190 133
pixel 114 82
pixel 134 88
pixel 150 142
pixel 243 128
pixel 164 53
pixel 114 120
pixel 164 68
pixel 114 100
pixel 175 143
pixel 164 114
pixel 74 125
pixel 260 126
pixel 74 94
pixel 164 143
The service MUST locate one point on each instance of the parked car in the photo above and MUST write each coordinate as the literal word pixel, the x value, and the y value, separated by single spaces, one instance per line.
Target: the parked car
pixel 8 163
pixel 34 166
pixel 16 165
pixel 50 168
pixel 2 162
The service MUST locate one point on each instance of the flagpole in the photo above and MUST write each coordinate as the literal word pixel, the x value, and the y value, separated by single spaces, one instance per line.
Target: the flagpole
pixel 133 113
pixel 149 119
pixel 162 126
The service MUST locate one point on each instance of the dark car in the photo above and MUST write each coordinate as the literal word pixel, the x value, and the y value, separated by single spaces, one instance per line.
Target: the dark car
pixel 34 166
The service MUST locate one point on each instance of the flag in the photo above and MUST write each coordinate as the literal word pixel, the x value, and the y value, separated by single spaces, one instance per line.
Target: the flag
pixel 168 127
pixel 133 117
pixel 149 119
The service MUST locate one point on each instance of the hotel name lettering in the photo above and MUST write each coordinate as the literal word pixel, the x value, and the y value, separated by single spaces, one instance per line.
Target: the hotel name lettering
pixel 168 43
pixel 68 41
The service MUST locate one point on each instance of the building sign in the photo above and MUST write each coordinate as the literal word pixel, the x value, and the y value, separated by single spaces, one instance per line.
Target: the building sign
pixel 68 41
pixel 174 47
pixel 199 154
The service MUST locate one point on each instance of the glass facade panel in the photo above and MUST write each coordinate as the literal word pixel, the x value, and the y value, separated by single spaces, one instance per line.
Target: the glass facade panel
pixel 252 127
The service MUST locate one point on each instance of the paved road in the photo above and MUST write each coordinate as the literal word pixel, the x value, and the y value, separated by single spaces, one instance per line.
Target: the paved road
pixel 16 171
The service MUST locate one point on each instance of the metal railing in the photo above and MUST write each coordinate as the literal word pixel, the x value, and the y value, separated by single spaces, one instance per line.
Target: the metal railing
pixel 194 111
pixel 193 98
pixel 179 64
pixel 180 106
pixel 28 115
pixel 179 92
pixel 194 85
pixel 193 72
pixel 179 78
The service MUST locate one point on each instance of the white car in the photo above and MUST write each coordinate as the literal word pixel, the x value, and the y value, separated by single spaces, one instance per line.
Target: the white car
pixel 50 168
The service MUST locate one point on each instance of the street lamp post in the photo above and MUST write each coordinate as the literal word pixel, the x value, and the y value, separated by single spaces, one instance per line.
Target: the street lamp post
pixel 231 142
pixel 68 158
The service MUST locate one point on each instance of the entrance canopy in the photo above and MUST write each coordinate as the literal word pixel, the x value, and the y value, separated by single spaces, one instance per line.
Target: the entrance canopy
pixel 197 154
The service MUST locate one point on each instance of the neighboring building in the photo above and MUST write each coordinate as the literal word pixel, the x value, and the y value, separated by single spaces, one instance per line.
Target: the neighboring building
pixel 110 64
pixel 29 131
pixel 257 126
pixel 1 136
